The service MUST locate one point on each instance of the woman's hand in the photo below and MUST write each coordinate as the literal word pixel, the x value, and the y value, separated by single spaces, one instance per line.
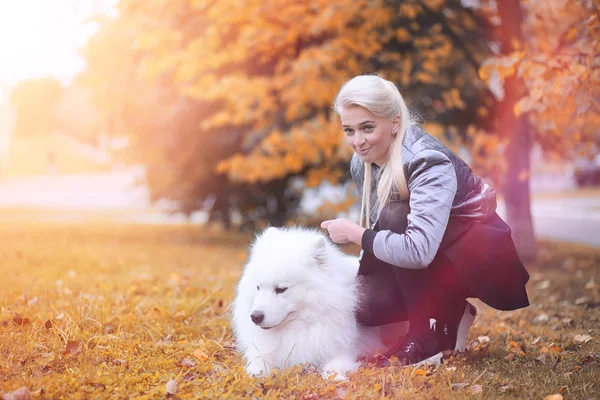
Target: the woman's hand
pixel 343 231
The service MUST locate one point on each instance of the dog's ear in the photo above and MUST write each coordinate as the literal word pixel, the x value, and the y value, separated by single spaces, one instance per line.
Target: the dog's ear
pixel 270 230
pixel 319 252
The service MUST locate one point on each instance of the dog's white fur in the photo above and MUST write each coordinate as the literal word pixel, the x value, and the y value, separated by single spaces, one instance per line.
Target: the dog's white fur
pixel 313 321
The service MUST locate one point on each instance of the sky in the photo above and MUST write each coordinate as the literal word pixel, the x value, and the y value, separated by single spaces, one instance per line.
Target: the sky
pixel 42 37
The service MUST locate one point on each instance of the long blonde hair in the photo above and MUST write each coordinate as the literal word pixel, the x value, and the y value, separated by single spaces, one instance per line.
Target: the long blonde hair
pixel 382 98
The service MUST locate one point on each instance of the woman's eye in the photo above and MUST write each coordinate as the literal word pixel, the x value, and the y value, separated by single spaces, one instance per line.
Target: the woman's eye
pixel 348 132
pixel 280 290
pixel 368 128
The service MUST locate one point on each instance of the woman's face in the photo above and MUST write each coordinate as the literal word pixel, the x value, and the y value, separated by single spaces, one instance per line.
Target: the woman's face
pixel 369 135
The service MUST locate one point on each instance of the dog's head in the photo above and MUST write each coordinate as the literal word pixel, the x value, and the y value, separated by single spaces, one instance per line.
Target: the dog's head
pixel 279 273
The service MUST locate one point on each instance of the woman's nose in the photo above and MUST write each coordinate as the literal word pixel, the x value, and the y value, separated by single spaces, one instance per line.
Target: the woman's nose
pixel 359 140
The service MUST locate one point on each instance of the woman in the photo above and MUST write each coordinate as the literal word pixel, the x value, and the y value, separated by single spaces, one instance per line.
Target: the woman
pixel 436 240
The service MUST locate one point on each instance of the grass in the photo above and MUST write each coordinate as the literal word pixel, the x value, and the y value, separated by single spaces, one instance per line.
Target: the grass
pixel 117 311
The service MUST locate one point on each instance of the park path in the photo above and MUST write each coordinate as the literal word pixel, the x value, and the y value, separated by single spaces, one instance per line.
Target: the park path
pixel 570 218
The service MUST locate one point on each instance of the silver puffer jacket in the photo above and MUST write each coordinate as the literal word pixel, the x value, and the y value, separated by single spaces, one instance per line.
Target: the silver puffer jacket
pixel 441 185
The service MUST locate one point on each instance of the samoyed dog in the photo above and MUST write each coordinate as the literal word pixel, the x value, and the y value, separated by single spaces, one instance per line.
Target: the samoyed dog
pixel 296 303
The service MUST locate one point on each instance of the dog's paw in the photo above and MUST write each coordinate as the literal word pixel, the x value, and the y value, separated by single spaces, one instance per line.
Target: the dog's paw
pixel 334 375
pixel 257 367
pixel 337 368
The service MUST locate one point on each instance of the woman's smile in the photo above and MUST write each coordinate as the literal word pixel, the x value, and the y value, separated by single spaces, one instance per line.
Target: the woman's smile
pixel 369 135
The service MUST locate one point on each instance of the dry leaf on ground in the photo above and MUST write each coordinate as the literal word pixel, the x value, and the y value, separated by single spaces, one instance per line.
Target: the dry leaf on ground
pixel 21 393
pixel 583 338
pixel 476 389
pixel 172 387
pixel 74 347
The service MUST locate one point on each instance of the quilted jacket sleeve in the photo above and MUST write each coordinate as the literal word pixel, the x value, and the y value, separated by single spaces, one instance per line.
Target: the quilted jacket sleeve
pixel 432 186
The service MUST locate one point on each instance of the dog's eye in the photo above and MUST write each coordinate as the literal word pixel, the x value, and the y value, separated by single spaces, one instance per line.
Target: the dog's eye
pixel 280 290
pixel 257 287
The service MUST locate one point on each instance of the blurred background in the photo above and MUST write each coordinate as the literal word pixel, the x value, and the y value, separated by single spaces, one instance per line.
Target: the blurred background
pixel 218 112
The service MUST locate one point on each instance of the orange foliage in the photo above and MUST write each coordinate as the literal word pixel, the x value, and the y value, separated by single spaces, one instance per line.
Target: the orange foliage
pixel 559 65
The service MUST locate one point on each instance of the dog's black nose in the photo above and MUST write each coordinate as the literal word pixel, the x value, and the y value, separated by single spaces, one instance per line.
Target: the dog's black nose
pixel 257 317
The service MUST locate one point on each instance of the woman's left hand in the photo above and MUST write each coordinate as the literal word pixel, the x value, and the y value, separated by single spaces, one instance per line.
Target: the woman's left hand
pixel 343 231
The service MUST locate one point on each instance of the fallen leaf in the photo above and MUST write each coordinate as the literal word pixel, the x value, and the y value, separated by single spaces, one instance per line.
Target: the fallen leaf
pixel 543 317
pixel 554 397
pixel 110 328
pixel 583 338
pixel 19 320
pixel 591 284
pixel 188 377
pixel 537 339
pixel 21 393
pixel 457 386
pixel 563 389
pixel 588 359
pixel 229 346
pixel 200 355
pixel 543 285
pixel 505 388
pixel 483 339
pixel 515 347
pixel 73 348
pixel 48 324
pixel 179 315
pixel 476 389
pixel 187 363
pixel 420 372
pixel 119 361
pixel 582 300
pixel 541 358
pixel 172 387
pixel 311 396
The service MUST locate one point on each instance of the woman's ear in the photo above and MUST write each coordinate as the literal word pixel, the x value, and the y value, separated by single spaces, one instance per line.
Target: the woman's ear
pixel 395 124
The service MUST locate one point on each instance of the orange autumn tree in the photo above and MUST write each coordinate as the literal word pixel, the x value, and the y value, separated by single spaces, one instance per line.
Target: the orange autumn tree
pixel 546 79
pixel 258 81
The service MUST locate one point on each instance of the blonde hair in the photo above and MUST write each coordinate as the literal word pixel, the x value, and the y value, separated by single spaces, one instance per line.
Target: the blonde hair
pixel 382 98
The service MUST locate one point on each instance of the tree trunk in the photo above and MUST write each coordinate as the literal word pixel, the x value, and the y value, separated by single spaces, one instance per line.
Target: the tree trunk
pixel 517 131
pixel 516 189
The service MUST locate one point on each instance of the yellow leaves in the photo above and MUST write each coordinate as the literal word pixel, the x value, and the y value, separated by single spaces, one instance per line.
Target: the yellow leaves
pixel 452 99
pixel 200 355
pixel 503 66
pixel 402 35
pixel 409 10
pixel 420 372
pixel 435 129
pixel 424 77
pixel 283 153
pixel 73 348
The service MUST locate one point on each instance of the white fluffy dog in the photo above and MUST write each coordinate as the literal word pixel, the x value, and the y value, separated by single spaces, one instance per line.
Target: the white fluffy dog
pixel 296 303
